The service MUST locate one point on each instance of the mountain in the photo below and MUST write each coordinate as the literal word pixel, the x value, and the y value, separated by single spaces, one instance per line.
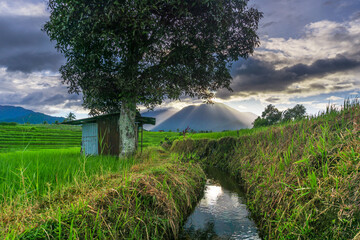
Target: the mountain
pixel 160 115
pixel 216 117
pixel 22 115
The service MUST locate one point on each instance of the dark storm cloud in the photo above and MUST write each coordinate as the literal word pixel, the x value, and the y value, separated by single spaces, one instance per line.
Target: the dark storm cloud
pixel 69 100
pixel 258 76
pixel 50 97
pixel 289 17
pixel 355 15
pixel 55 100
pixel 272 99
pixel 34 98
pixel 268 24
pixel 341 87
pixel 317 86
pixel 25 52
pixel 323 67
pixel 329 2
pixel 292 91
pixel 28 62
pixel 24 47
pixel 37 93
pixel 73 104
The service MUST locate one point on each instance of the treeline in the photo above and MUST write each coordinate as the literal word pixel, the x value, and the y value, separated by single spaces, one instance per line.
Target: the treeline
pixel 271 115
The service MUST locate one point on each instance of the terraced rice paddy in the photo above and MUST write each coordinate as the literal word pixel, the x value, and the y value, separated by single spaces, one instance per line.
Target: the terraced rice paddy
pixel 26 136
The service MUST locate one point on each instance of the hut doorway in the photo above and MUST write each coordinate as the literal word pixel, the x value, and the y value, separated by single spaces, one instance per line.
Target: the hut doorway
pixel 90 139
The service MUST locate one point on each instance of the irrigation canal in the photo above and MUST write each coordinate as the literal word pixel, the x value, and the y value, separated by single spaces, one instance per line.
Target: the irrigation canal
pixel 221 213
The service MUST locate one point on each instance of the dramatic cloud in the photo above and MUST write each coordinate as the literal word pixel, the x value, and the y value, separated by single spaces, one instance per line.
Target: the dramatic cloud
pixel 257 76
pixel 38 92
pixel 309 53
pixel 24 47
pixel 29 62
pixel 22 8
pixel 326 58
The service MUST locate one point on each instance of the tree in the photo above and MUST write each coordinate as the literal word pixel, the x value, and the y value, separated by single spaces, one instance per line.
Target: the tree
pixel 71 116
pixel 297 112
pixel 271 115
pixel 260 122
pixel 124 53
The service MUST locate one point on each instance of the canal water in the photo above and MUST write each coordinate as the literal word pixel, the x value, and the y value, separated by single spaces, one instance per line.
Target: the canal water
pixel 221 213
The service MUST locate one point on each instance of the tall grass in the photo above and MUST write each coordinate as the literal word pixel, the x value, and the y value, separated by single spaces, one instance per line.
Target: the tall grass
pixel 25 175
pixel 107 200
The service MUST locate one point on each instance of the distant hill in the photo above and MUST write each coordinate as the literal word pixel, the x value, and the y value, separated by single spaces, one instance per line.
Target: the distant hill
pixel 22 115
pixel 160 115
pixel 216 117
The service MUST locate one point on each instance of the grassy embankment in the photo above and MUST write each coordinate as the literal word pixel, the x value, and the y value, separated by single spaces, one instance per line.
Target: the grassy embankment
pixel 57 193
pixel 302 178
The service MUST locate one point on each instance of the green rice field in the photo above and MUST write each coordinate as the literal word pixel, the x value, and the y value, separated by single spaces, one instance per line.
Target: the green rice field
pixel 22 137
pixel 25 175
pixel 49 190
pixel 40 136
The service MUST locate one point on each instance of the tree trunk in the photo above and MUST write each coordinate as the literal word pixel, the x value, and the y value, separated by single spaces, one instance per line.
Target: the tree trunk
pixel 127 129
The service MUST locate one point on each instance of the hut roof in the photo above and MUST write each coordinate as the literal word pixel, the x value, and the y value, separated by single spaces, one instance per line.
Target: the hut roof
pixel 138 119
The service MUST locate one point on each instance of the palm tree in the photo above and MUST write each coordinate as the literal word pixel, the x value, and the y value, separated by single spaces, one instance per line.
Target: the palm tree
pixel 71 116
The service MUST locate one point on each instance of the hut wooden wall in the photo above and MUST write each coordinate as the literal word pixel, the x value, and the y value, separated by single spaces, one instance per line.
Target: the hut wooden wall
pixel 108 135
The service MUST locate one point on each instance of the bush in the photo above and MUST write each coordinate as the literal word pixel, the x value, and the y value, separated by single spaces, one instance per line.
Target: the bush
pixel 8 123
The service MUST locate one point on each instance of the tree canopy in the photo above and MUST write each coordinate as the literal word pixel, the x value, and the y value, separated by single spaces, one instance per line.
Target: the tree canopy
pixel 143 51
pixel 271 115
pixel 297 112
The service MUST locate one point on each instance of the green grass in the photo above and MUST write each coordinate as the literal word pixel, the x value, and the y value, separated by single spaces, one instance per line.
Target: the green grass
pixel 217 135
pixel 156 138
pixel 302 178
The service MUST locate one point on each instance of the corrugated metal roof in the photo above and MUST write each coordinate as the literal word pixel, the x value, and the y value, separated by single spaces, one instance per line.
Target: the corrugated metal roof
pixel 138 119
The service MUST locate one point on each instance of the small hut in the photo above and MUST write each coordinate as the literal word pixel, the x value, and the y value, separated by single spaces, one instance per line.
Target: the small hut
pixel 100 134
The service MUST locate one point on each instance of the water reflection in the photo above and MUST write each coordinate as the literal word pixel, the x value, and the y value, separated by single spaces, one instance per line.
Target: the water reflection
pixel 221 213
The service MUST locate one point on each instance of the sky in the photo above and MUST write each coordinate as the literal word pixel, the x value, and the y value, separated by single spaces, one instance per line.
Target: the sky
pixel 309 54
